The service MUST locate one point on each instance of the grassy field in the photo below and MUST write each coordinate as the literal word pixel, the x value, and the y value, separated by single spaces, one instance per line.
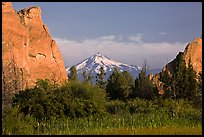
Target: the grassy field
pixel 125 124
pixel 144 131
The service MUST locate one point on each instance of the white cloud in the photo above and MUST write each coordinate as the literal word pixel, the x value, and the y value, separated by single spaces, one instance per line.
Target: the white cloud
pixel 110 37
pixel 130 52
pixel 162 33
pixel 120 37
pixel 136 38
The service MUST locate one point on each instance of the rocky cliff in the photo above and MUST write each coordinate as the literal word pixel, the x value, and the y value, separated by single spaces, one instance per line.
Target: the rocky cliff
pixel 28 51
pixel 193 51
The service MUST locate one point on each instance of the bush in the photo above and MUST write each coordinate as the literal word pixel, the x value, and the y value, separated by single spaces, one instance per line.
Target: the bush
pixel 14 122
pixel 82 99
pixel 72 99
pixel 116 107
pixel 141 106
pixel 180 108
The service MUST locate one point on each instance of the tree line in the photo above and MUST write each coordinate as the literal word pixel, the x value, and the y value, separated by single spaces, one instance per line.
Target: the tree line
pixel 183 83
pixel 81 99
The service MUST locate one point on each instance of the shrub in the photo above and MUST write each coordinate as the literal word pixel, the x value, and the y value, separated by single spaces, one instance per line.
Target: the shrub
pixel 72 99
pixel 83 99
pixel 14 122
pixel 141 106
pixel 116 107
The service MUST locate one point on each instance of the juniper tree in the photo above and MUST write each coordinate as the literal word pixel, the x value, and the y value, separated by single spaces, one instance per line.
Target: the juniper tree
pixel 111 87
pixel 73 74
pixel 185 79
pixel 179 82
pixel 191 82
pixel 144 87
pixel 120 85
pixel 100 79
pixel 167 80
pixel 87 77
pixel 200 82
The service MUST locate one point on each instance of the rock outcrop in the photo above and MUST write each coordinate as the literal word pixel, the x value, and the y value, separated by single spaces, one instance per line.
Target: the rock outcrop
pixel 28 49
pixel 193 51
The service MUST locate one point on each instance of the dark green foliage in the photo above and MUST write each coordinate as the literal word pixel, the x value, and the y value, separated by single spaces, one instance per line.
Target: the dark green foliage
pixel 144 87
pixel 200 77
pixel 14 122
pixel 116 107
pixel 73 73
pixel 82 100
pixel 130 83
pixel 137 106
pixel 167 80
pixel 72 99
pixel 191 82
pixel 183 83
pixel 179 83
pixel 87 77
pixel 112 84
pixel 134 114
pixel 44 85
pixel 40 101
pixel 119 85
pixel 100 79
pixel 125 85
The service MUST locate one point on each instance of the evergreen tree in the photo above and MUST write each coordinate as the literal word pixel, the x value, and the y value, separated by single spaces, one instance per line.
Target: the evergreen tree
pixel 87 78
pixel 136 91
pixel 179 83
pixel 144 87
pixel 100 79
pixel 183 83
pixel 191 82
pixel 84 76
pixel 185 80
pixel 73 74
pixel 167 80
pixel 130 80
pixel 120 85
pixel 126 85
pixel 200 82
pixel 198 100
pixel 111 87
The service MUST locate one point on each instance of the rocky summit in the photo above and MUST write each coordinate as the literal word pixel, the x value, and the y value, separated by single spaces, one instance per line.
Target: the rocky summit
pixel 28 51
pixel 193 51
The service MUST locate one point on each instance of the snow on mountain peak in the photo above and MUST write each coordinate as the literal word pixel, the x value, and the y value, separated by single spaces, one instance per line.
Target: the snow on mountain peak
pixel 93 64
pixel 99 54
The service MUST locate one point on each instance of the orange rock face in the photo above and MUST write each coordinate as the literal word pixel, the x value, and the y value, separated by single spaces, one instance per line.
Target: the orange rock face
pixel 27 44
pixel 193 51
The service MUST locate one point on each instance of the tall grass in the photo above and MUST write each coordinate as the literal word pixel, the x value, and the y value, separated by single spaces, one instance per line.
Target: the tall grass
pixel 111 124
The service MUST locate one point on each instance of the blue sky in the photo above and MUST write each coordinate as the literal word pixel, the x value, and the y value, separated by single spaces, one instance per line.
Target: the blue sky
pixel 127 32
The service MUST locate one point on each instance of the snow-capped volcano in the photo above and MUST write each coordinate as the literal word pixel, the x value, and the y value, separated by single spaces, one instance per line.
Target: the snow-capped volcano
pixel 94 63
